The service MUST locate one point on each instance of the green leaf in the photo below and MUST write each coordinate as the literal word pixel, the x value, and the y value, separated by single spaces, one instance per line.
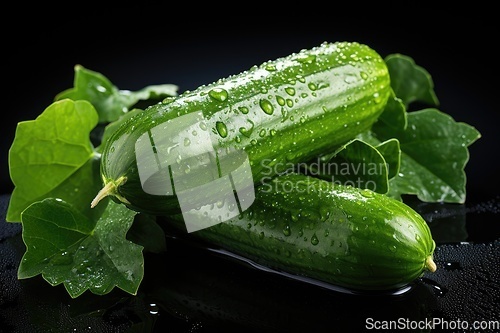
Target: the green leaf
pixel 67 247
pixel 410 82
pixel 51 156
pixel 109 101
pixel 152 92
pixel 434 154
pixel 394 114
pixel 391 151
pixel 357 163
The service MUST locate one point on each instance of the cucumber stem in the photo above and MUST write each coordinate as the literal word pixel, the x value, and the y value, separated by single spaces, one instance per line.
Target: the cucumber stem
pixel 110 188
pixel 430 264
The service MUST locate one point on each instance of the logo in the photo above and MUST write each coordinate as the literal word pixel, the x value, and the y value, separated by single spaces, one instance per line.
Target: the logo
pixel 177 158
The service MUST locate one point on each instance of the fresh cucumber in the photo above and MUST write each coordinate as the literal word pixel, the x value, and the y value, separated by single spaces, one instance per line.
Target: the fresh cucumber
pixel 346 236
pixel 279 113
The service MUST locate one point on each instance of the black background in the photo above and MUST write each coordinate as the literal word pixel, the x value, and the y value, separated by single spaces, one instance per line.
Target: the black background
pixel 139 45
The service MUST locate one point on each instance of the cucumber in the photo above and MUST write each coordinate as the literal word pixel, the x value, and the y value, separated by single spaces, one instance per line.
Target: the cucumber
pixel 345 236
pixel 279 113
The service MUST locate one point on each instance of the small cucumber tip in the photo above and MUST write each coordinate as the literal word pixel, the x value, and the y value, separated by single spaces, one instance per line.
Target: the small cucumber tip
pixel 430 264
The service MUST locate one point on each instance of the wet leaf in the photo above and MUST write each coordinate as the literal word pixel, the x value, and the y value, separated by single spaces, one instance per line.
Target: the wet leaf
pixel 67 247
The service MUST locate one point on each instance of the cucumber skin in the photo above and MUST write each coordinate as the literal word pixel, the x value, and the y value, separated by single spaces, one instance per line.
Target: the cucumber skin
pixel 340 89
pixel 349 237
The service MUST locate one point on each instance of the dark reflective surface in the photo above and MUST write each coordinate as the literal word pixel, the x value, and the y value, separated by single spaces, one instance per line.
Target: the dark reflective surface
pixel 193 289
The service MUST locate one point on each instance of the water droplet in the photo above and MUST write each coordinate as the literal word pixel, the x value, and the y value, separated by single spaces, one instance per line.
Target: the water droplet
pixel 266 106
pixel 363 75
pixel 306 59
pixel 168 100
pixel 367 193
pixel 314 240
pixel 438 289
pixel 247 131
pixel 187 142
pixel 270 67
pixel 312 86
pixel 280 100
pixel 286 230
pixel 154 309
pixel 243 109
pixel 290 91
pixel 221 128
pixel 262 133
pixel 350 78
pixel 218 94
pixel 289 102
pixel 453 265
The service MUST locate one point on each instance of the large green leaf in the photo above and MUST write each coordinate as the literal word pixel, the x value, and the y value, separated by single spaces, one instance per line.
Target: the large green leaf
pixel 410 82
pixel 109 101
pixel 434 154
pixel 67 247
pixel 52 156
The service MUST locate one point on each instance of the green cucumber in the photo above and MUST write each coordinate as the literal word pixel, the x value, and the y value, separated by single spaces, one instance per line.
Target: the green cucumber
pixel 349 237
pixel 282 112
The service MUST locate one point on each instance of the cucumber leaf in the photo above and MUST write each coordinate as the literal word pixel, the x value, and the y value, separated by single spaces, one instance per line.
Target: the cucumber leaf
pixel 391 151
pixel 109 101
pixel 394 114
pixel 52 156
pixel 410 82
pixel 434 154
pixel 356 163
pixel 67 247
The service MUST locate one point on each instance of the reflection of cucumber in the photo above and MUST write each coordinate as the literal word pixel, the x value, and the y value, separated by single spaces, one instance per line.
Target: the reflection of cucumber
pixel 345 236
pixel 213 291
pixel 279 113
